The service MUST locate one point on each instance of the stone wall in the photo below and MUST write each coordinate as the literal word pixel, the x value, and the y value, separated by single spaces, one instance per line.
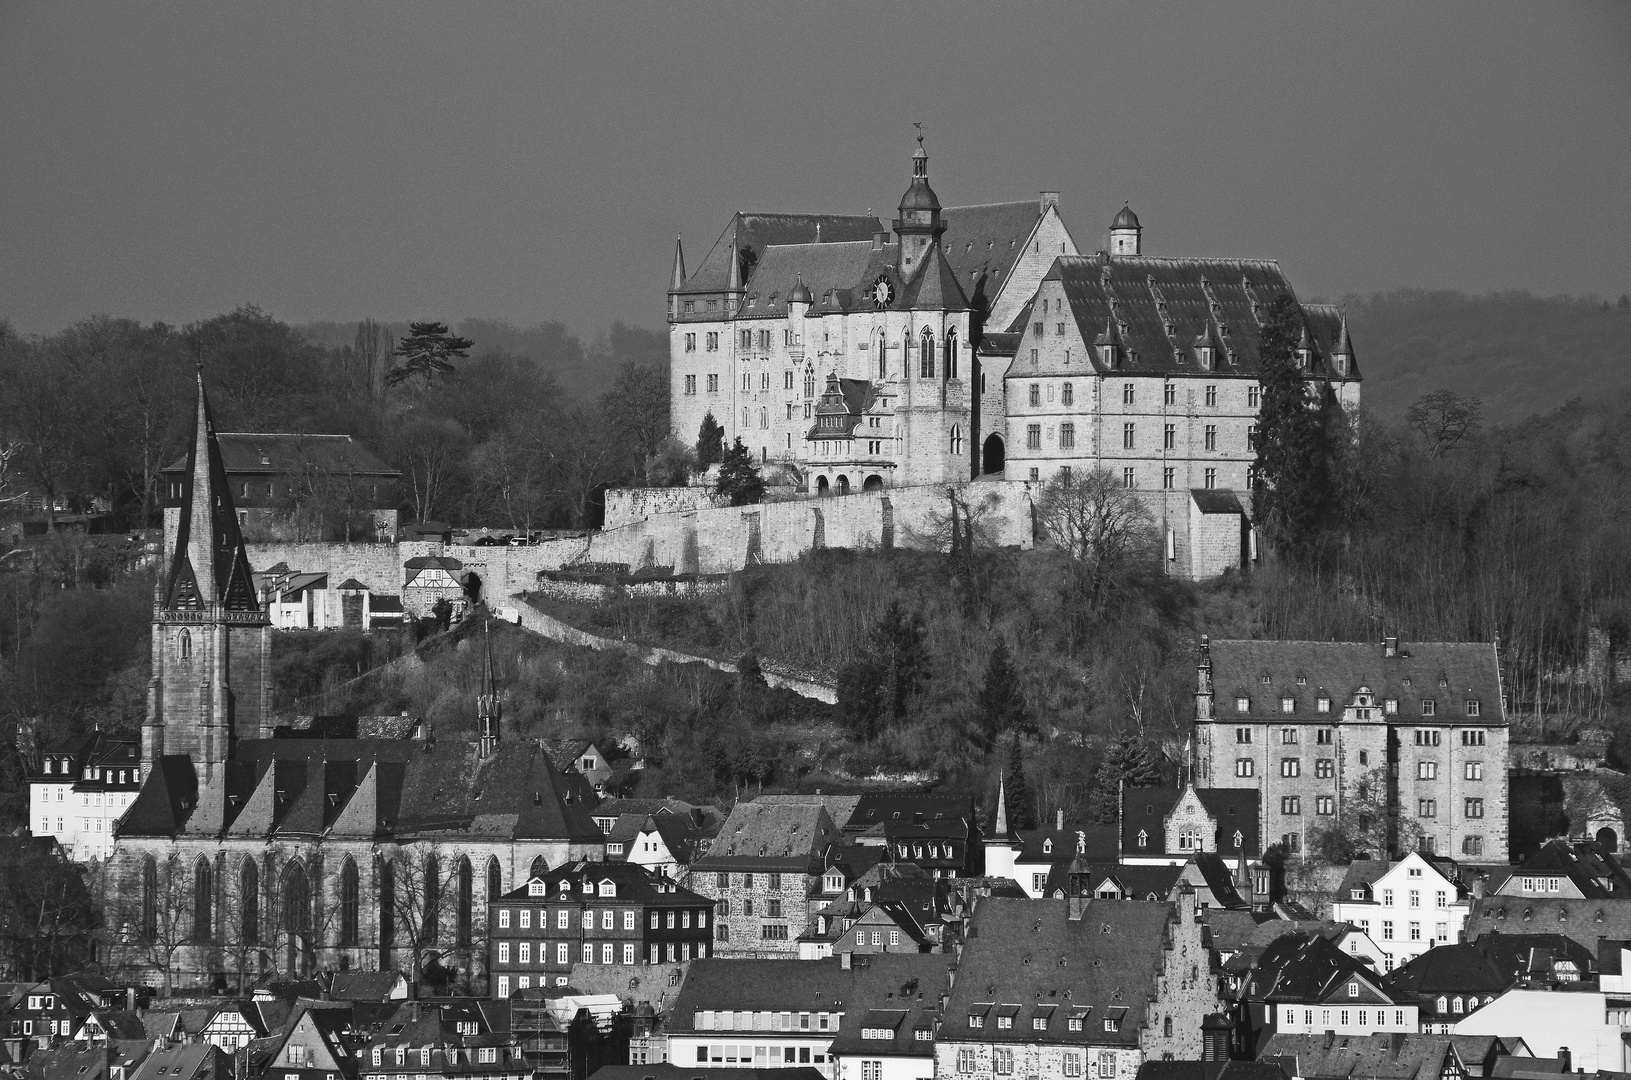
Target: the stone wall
pixel 530 618
pixel 378 566
pixel 627 505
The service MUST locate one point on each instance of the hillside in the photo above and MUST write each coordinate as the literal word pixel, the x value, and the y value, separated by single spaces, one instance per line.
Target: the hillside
pixel 1520 354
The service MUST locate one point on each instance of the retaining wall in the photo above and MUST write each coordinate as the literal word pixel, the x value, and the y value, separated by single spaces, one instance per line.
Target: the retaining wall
pixel 530 618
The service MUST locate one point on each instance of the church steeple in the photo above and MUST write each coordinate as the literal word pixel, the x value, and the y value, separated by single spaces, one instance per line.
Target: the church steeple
pixel 919 225
pixel 210 636
pixel 676 281
pixel 489 706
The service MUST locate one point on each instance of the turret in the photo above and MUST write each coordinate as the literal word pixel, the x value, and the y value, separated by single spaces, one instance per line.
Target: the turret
pixel 919 225
pixel 733 283
pixel 1126 233
pixel 677 281
pixel 1342 357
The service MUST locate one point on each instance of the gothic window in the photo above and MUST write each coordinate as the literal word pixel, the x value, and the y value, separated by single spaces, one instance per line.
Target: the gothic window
pixel 430 926
pixel 296 919
pixel 809 375
pixel 249 906
pixel 387 913
pixel 951 354
pixel 467 890
pixel 495 880
pixel 186 645
pixel 539 868
pixel 203 900
pixel 956 439
pixel 348 902
pixel 150 898
pixel 926 357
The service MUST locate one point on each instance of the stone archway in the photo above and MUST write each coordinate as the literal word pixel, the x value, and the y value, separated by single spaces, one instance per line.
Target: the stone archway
pixel 993 454
pixel 823 489
pixel 843 484
pixel 873 483
pixel 1609 839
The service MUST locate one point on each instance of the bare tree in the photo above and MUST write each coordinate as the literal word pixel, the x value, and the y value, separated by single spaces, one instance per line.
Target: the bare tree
pixel 1444 420
pixel 1103 527
pixel 1365 825
pixel 418 902
pixel 153 921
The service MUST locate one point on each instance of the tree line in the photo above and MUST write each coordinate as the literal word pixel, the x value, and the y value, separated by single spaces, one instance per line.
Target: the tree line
pixel 483 431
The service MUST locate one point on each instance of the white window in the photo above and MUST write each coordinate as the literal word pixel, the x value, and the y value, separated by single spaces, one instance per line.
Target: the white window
pixel 504 952
pixel 504 918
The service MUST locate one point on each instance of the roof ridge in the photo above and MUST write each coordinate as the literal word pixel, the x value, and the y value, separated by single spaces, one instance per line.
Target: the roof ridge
pixel 1000 202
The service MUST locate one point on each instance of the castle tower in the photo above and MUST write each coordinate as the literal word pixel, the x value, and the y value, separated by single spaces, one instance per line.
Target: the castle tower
pixel 211 640
pixel 489 706
pixel 1126 233
pixel 919 225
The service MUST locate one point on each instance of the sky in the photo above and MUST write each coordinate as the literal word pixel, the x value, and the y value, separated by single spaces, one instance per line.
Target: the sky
pixel 533 162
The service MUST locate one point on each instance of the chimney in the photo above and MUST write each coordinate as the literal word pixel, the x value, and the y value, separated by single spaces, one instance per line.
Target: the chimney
pixel 1049 198
pixel 1391 644
pixel 879 239
pixel 846 960
pixel 1563 1056
pixel 1076 905
pixel 1059 820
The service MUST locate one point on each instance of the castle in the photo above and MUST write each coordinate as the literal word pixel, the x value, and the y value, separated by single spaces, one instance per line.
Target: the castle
pixel 246 852
pixel 977 342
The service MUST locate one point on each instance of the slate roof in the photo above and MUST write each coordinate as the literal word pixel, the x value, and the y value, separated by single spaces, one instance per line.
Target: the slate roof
pixel 1460 968
pixel 288 787
pixel 1392 1056
pixel 751 233
pixel 1030 955
pixel 1304 968
pixel 771 836
pixel 878 980
pixel 983 243
pixel 275 453
pixel 1584 863
pixel 210 564
pixel 1212 1070
pixel 634 883
pixel 669 1071
pixel 365 985
pixel 1215 501
pixel 1145 809
pixel 1122 295
pixel 913 1014
pixel 1583 921
pixel 1099 844
pixel 907 806
pixel 1337 669
pixel 1534 955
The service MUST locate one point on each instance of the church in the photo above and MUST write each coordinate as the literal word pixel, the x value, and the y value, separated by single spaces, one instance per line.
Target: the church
pixel 250 851
pixel 978 341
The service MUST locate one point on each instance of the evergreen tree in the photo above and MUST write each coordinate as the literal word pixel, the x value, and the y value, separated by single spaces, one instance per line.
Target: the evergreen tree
pixel 1001 700
pixel 710 442
pixel 1293 439
pixel 1130 761
pixel 897 642
pixel 427 354
pixel 1016 792
pixel 739 479
pixel 860 698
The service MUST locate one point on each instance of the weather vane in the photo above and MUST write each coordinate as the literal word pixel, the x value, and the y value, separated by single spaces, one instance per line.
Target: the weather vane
pixel 919 125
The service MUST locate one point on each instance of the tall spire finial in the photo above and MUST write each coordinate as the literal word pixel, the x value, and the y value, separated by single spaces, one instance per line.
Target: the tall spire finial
pixel 489 706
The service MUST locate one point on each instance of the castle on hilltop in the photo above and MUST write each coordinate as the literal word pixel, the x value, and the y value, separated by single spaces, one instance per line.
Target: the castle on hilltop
pixel 963 343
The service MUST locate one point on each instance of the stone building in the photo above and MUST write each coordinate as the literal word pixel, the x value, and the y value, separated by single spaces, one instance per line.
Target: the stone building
pixel 1148 367
pixel 847 350
pixel 1328 732
pixel 763 873
pixel 245 854
pixel 1077 987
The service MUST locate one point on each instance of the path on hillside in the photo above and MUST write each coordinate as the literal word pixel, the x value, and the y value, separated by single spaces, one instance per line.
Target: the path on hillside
pixel 530 618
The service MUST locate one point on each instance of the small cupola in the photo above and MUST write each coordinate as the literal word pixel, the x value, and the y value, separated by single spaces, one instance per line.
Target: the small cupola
pixel 800 294
pixel 1342 357
pixel 1126 233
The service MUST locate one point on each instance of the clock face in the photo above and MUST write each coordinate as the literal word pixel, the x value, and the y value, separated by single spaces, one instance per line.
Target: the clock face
pixel 882 292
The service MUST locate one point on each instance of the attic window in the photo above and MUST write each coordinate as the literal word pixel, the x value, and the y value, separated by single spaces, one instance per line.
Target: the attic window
pixel 1143 838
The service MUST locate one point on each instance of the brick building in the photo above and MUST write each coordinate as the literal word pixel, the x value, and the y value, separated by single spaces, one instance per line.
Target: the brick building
pixel 592 913
pixel 1323 730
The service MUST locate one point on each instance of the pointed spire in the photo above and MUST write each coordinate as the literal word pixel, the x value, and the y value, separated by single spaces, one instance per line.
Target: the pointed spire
pixel 489 706
pixel 1001 826
pixel 209 565
pixel 678 280
pixel 1344 351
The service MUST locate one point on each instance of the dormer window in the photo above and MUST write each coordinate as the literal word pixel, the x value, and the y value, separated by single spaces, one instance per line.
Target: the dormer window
pixel 608 888
pixel 1205 354
pixel 1143 838
pixel 537 887
pixel 1323 704
pixel 1047 847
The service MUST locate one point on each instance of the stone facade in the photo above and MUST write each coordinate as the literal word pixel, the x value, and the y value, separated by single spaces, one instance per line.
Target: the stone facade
pixel 784 302
pixel 758 915
pixel 1317 728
